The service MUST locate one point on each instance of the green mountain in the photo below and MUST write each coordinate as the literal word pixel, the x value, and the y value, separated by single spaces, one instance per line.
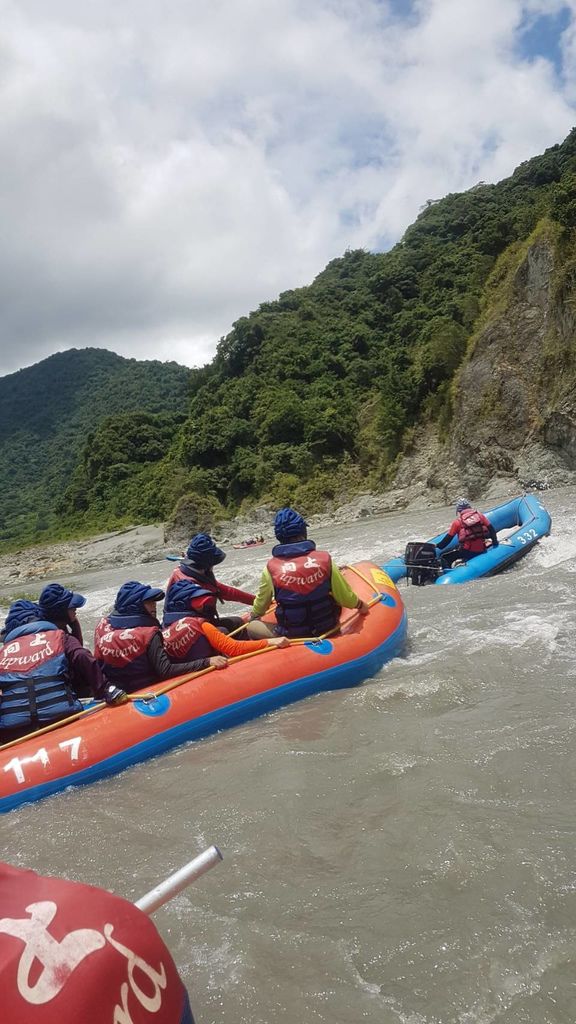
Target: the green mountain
pixel 48 413
pixel 319 393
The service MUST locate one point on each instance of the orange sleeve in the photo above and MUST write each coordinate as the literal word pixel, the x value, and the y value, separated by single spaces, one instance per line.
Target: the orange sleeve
pixel 227 645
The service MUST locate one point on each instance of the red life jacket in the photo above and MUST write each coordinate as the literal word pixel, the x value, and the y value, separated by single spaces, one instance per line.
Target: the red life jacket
pixel 123 654
pixel 305 606
pixel 473 528
pixel 185 641
pixel 191 577
pixel 206 582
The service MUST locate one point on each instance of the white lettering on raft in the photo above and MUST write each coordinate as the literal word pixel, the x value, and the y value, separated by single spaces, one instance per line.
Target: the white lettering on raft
pixel 16 765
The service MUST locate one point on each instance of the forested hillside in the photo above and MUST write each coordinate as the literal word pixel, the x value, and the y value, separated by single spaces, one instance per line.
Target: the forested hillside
pixel 316 394
pixel 47 414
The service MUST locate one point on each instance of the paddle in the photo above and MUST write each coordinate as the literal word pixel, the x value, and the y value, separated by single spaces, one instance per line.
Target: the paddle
pixel 294 642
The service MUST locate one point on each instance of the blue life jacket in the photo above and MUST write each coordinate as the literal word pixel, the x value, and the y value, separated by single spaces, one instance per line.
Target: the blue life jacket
pixel 34 677
pixel 301 577
pixel 121 646
pixel 184 639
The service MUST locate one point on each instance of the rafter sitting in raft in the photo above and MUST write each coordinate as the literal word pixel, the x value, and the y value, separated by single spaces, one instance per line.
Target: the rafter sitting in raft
pixel 129 643
pixel 59 605
pixel 189 631
pixel 473 530
pixel 202 555
pixel 41 668
pixel 308 588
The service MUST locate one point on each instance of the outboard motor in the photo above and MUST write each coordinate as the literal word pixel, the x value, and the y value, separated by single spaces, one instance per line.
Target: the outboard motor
pixel 422 563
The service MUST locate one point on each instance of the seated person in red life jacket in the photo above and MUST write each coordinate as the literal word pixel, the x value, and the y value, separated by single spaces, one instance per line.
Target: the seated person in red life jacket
pixel 189 631
pixel 308 588
pixel 41 667
pixel 472 528
pixel 129 643
pixel 59 606
pixel 198 568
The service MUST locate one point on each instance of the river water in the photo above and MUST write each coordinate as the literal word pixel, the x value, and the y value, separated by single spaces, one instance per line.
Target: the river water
pixel 398 853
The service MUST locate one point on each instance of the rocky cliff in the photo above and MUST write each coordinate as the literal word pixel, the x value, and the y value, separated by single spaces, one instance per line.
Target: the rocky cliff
pixel 513 402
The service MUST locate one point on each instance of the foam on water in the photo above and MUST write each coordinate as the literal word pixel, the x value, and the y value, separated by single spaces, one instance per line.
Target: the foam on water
pixel 516 629
pixel 99 602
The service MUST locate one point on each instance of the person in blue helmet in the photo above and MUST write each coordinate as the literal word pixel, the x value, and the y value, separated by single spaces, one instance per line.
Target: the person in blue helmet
pixel 308 588
pixel 473 530
pixel 129 643
pixel 187 633
pixel 42 668
pixel 202 555
pixel 59 606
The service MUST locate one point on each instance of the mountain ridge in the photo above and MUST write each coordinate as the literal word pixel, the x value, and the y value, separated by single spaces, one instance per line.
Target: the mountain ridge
pixel 326 391
pixel 47 414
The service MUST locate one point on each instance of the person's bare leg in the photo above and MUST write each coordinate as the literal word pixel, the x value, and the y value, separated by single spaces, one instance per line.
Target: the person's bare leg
pixel 257 630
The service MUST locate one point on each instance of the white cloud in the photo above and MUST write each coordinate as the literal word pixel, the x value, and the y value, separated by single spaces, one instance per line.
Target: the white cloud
pixel 165 168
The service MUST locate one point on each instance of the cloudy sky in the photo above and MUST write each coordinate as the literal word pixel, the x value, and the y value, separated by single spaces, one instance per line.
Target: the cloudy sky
pixel 167 166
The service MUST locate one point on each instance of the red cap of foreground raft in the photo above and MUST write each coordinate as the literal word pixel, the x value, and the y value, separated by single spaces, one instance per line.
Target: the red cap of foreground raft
pixel 70 952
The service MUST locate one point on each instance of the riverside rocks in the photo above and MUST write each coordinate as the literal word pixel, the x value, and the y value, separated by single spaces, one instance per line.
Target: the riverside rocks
pixel 143 544
pixel 57 561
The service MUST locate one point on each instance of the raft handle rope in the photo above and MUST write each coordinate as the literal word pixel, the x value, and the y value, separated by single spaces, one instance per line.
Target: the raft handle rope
pixel 54 725
pixel 370 583
pixel 98 706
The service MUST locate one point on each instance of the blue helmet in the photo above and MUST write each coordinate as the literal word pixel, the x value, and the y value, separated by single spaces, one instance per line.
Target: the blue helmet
pixel 184 595
pixel 289 524
pixel 20 614
pixel 203 551
pixel 131 596
pixel 461 504
pixel 55 599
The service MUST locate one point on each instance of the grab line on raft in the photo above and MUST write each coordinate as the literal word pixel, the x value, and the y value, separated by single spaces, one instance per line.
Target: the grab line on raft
pixel 54 725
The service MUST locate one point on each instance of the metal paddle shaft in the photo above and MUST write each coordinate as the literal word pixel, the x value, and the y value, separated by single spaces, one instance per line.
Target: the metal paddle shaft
pixel 182 878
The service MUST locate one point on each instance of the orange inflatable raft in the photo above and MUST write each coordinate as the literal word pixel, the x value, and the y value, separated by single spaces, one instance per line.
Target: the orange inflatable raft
pixel 103 741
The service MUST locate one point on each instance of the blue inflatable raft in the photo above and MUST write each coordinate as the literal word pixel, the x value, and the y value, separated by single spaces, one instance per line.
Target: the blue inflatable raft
pixel 525 516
